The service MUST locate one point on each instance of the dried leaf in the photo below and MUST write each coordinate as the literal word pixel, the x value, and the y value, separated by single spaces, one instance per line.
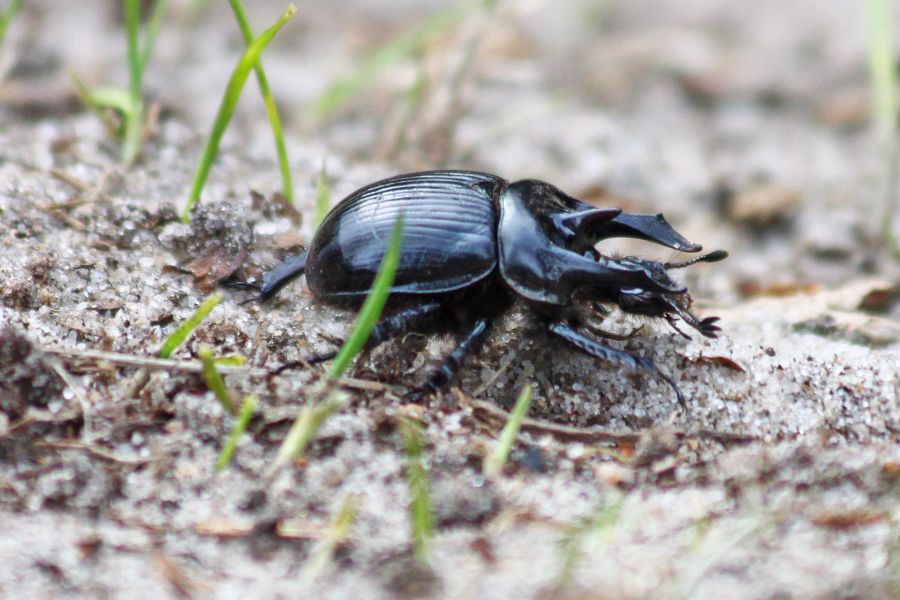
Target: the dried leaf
pixel 300 529
pixel 847 519
pixel 222 527
pixel 216 264
pixel 723 361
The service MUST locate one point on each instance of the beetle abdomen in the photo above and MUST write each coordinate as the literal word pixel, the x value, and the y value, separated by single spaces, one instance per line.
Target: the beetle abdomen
pixel 449 239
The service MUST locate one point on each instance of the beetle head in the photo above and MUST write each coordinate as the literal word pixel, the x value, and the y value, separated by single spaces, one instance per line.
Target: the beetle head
pixel 670 305
pixel 546 254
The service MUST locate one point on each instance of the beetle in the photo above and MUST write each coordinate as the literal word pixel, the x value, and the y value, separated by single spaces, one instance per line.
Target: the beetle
pixel 473 243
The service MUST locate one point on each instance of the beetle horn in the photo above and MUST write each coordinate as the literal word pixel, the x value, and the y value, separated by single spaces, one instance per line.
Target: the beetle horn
pixel 579 228
pixel 653 228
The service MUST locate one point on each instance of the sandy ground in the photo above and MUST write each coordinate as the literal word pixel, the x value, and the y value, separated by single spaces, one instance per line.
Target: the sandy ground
pixel 744 122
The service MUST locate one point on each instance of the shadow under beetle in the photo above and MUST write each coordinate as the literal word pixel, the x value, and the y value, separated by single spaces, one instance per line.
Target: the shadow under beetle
pixel 472 243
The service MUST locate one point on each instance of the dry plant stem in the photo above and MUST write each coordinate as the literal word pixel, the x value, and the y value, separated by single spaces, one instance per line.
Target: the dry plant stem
pixel 192 366
pixel 94 450
pixel 87 427
pixel 94 193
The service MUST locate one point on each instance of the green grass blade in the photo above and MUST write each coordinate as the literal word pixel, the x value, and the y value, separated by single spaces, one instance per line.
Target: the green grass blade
pixel 230 360
pixel 372 307
pixel 153 25
pixel 269 103
pixel 337 533
pixel 214 379
pixel 311 416
pixel 132 29
pixel 883 76
pixel 323 196
pixel 240 426
pixel 882 65
pixel 228 104
pixel 133 114
pixel 7 16
pixel 89 98
pixel 397 50
pixel 494 463
pixel 180 335
pixel 306 425
pixel 104 97
pixel 420 503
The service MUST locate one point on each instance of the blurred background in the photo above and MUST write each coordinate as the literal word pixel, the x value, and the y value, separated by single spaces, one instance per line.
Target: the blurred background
pixel 750 124
pixel 767 128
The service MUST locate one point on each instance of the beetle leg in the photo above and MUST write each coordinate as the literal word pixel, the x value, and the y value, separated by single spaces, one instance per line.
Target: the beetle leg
pixel 611 355
pixel 621 337
pixel 386 329
pixel 280 275
pixel 402 322
pixel 450 367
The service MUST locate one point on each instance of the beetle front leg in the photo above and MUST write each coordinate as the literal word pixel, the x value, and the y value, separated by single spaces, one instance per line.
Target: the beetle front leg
pixel 450 367
pixel 611 355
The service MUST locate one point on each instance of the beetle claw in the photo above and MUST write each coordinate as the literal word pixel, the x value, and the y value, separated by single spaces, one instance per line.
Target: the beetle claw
pixel 709 328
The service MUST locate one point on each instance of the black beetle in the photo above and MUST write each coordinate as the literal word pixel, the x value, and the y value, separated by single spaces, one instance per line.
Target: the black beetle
pixel 472 243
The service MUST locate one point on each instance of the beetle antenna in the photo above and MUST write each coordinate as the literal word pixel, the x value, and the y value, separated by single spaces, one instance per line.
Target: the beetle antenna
pixel 714 256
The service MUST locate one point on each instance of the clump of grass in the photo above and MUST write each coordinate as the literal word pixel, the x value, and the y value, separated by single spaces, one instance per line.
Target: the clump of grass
pixel 311 416
pixel 337 533
pixel 7 16
pixel 128 103
pixel 247 62
pixel 421 516
pixel 240 426
pixel 323 196
pixel 883 76
pixel 494 463
pixel 181 334
pixel 269 102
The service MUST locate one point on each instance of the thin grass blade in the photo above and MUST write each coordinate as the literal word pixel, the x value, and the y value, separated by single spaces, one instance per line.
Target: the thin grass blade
pixel 132 115
pixel 323 196
pixel 338 531
pixel 269 102
pixel 180 335
pixel 494 463
pixel 153 25
pixel 883 76
pixel 230 360
pixel 7 16
pixel 214 379
pixel 240 426
pixel 229 102
pixel 421 516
